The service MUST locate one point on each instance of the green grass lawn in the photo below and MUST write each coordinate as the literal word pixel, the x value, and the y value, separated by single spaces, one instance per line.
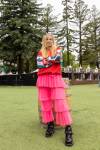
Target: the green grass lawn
pixel 20 128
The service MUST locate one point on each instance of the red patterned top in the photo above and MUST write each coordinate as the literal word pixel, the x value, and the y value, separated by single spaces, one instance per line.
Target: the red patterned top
pixel 51 64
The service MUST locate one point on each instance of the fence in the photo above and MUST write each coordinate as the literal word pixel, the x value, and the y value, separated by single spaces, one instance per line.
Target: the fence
pixel 81 76
pixel 22 79
pixel 30 78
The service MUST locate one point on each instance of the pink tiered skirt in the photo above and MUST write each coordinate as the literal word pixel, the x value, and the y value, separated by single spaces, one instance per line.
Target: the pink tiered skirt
pixel 52 99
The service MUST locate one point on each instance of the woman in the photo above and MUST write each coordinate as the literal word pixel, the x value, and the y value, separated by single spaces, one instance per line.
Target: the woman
pixel 51 89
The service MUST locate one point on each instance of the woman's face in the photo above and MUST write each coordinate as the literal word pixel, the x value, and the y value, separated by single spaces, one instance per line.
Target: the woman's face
pixel 49 41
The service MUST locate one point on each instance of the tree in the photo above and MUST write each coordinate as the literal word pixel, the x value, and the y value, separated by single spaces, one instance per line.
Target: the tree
pixel 81 11
pixel 19 32
pixel 48 21
pixel 92 30
pixel 72 59
pixel 65 34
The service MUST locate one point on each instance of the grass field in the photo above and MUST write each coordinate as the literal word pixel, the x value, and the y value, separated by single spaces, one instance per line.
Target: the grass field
pixel 20 128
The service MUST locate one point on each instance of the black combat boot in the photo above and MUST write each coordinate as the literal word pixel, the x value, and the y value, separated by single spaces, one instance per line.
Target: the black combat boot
pixel 68 136
pixel 50 129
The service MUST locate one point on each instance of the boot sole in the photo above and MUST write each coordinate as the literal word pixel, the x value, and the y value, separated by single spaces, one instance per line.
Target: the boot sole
pixel 50 135
pixel 66 144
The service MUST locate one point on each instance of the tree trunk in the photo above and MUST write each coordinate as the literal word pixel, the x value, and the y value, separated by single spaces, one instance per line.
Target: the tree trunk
pixel 67 36
pixel 20 64
pixel 80 45
pixel 27 67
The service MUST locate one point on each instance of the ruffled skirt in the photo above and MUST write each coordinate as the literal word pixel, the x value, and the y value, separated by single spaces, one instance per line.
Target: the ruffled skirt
pixel 52 100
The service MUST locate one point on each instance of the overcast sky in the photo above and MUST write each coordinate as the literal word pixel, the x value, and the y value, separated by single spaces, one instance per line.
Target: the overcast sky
pixel 58 6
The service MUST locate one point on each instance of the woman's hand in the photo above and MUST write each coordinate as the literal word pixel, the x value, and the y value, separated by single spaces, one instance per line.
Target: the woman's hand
pixel 45 61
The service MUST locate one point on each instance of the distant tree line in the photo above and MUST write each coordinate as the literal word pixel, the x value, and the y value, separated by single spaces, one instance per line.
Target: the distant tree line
pixel 23 23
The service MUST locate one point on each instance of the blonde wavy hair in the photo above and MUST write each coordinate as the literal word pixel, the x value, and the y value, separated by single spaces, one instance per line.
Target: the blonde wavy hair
pixel 53 48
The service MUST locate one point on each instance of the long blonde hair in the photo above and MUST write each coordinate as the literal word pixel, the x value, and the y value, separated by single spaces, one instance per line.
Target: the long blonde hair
pixel 43 48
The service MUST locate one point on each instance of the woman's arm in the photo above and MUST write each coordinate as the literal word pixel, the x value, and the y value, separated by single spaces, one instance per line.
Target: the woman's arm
pixel 42 62
pixel 57 58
